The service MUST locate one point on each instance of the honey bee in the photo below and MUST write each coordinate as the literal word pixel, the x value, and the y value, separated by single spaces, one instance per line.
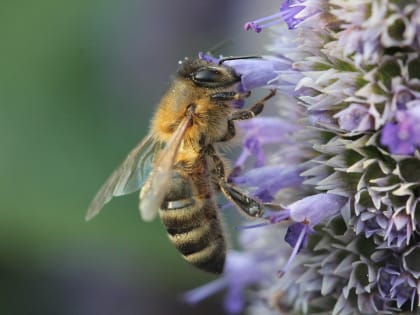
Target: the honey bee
pixel 178 167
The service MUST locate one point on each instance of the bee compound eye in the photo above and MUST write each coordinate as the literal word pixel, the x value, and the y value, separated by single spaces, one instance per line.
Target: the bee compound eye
pixel 208 75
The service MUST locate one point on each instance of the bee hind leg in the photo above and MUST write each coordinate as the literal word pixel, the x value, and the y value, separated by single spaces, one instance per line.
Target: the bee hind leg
pixel 245 203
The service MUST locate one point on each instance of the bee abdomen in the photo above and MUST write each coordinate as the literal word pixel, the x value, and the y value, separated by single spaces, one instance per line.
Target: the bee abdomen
pixel 210 258
pixel 196 232
pixel 190 240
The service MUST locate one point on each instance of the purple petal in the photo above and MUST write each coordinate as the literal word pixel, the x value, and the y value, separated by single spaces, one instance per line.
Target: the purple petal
pixel 258 72
pixel 208 57
pixel 298 236
pixel 402 97
pixel 234 301
pixel 253 146
pixel 289 11
pixel 316 208
pixel 260 131
pixel 268 129
pixel 198 294
pixel 402 136
pixel 354 118
pixel 270 179
pixel 293 233
pixel 414 113
pixel 241 270
pixel 319 117
pixel 396 145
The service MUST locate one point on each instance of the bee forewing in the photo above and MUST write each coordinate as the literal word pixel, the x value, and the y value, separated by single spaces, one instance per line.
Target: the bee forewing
pixel 128 177
pixel 140 169
pixel 157 184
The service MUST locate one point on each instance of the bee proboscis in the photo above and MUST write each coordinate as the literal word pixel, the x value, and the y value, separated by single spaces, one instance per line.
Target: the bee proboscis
pixel 178 167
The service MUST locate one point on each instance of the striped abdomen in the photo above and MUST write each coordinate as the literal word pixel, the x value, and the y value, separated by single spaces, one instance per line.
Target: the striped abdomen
pixel 193 224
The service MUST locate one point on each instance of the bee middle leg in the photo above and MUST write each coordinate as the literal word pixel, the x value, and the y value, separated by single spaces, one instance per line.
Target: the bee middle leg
pixel 246 204
pixel 230 133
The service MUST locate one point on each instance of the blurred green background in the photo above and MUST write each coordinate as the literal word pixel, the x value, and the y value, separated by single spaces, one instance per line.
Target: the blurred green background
pixel 79 81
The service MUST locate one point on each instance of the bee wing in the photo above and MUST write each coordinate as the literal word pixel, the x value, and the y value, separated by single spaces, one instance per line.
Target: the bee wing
pixel 157 184
pixel 128 177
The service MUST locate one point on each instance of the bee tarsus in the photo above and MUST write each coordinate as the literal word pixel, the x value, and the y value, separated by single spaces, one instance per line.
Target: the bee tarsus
pixel 254 110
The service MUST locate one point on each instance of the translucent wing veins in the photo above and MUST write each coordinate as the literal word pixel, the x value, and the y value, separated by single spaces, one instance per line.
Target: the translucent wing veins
pixel 128 177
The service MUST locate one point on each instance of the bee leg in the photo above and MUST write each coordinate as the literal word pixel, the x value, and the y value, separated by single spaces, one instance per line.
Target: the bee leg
pixel 254 110
pixel 229 96
pixel 241 114
pixel 231 131
pixel 248 205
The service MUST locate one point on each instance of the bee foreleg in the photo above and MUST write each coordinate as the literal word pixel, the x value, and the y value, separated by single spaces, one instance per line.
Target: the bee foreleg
pixel 254 110
pixel 229 96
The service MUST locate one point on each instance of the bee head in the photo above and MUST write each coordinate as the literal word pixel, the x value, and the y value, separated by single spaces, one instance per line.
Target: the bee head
pixel 208 74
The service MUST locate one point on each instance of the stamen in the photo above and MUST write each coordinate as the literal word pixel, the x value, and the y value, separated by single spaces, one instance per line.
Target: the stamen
pixel 251 226
pixel 296 249
pixel 267 21
pixel 271 219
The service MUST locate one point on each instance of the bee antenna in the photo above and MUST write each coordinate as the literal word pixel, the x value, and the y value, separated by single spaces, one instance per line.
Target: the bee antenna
pixel 222 60
pixel 219 46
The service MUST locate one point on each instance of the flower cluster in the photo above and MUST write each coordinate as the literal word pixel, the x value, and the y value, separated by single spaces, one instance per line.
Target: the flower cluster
pixel 341 161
